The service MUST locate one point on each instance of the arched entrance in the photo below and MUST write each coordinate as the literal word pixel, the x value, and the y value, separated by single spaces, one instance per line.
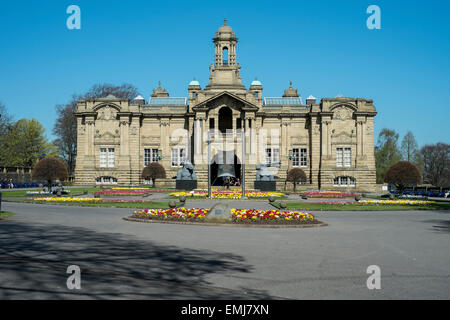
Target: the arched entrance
pixel 225 119
pixel 224 163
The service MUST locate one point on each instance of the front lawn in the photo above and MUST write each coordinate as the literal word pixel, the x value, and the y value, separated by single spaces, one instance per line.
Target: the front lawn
pixel 361 207
pixel 4 214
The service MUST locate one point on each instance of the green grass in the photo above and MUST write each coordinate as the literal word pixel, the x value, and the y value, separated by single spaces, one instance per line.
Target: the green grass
pixel 23 193
pixel 134 205
pixel 361 207
pixel 4 214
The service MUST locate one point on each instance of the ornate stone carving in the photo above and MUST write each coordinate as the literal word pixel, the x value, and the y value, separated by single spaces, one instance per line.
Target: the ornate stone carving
pixel 107 113
pixel 343 113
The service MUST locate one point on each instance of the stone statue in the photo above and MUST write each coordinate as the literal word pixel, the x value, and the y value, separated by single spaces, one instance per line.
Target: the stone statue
pixel 263 173
pixel 186 177
pixel 187 172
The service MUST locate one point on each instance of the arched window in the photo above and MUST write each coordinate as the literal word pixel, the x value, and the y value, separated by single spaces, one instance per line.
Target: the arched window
pixel 105 180
pixel 225 56
pixel 344 181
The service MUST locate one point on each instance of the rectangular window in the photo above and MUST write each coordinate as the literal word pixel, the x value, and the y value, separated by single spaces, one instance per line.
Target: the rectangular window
pixel 174 157
pixel 155 155
pixel 339 156
pixel 352 181
pixel 268 156
pixel 102 157
pixel 111 157
pixel 347 157
pixel 276 155
pixel 303 157
pixel 146 157
pixel 295 157
pixel 178 157
pixel 344 181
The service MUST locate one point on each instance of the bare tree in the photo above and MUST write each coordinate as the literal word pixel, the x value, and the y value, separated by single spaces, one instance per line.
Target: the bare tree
pixel 65 128
pixel 436 163
pixel 296 175
pixel 409 147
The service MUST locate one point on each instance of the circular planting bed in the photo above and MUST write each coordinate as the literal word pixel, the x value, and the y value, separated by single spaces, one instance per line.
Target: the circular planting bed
pixel 238 217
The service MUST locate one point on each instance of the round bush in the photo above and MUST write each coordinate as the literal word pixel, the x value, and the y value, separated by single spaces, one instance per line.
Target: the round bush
pixel 304 197
pixel 391 197
pixel 182 199
pixel 283 205
pixel 271 199
pixel 357 198
pixel 85 192
pixel 363 195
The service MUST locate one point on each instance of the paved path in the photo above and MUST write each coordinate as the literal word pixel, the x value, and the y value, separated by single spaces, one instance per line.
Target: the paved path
pixel 120 259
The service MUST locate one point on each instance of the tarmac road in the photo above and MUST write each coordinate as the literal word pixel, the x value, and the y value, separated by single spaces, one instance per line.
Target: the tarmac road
pixel 129 260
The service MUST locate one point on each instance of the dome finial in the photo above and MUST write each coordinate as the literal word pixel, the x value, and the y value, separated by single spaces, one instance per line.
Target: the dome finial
pixel 225 21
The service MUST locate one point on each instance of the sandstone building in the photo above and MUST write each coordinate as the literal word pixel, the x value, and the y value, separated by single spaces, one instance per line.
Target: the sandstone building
pixel 331 139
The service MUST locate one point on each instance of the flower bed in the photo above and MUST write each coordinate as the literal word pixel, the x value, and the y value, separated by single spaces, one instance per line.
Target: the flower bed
pixel 329 194
pixel 227 194
pixel 271 216
pixel 111 192
pixel 397 202
pixel 238 215
pixel 67 199
pixel 180 214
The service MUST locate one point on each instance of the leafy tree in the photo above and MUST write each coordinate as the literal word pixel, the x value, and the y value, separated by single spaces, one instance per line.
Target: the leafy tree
pixel 386 152
pixel 25 143
pixel 50 169
pixel 65 128
pixel 154 171
pixel 402 174
pixel 296 175
pixel 409 147
pixel 436 163
pixel 5 126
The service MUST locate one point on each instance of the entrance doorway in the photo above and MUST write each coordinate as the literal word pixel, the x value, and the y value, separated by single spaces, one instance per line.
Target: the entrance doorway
pixel 226 163
pixel 225 119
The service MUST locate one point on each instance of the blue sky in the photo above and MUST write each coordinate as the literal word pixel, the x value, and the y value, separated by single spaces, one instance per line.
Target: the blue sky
pixel 324 47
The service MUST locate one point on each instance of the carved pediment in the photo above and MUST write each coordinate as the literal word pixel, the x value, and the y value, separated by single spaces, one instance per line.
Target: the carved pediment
pixel 226 99
pixel 342 113
pixel 106 113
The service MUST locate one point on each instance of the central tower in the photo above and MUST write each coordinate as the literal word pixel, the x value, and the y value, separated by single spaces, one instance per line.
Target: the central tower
pixel 225 72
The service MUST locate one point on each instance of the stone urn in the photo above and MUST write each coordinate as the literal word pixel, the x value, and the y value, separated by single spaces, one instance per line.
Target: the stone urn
pixel 172 204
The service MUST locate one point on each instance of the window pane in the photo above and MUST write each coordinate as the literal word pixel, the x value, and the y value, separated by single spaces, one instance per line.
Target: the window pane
pixel 347 157
pixel 295 160
pixel 155 155
pixel 339 157
pixel 174 157
pixel 146 157
pixel 102 157
pixel 268 156
pixel 111 157
pixel 352 181
pixel 182 157
pixel 303 157
pixel 276 155
pixel 336 181
pixel 343 181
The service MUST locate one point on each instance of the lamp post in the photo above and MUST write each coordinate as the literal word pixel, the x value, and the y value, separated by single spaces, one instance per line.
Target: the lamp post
pixel 290 157
pixel 243 164
pixel 208 141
